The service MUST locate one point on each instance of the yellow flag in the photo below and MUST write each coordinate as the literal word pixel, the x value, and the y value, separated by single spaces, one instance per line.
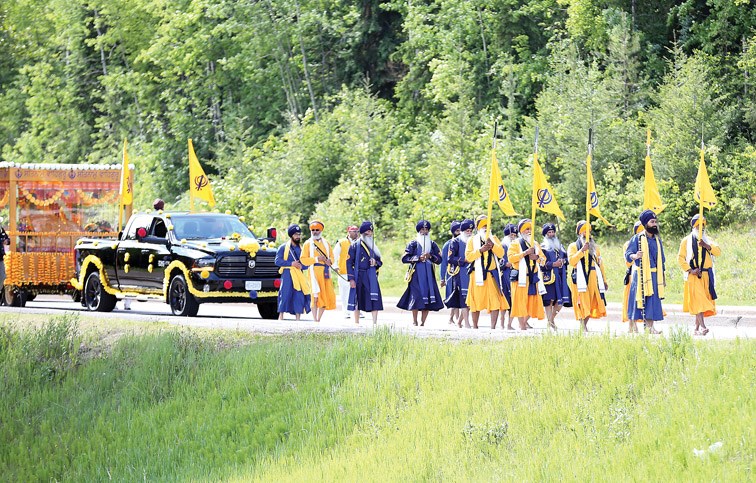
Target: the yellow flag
pixel 592 200
pixel 704 193
pixel 651 197
pixel 199 184
pixel 543 193
pixel 496 190
pixel 127 190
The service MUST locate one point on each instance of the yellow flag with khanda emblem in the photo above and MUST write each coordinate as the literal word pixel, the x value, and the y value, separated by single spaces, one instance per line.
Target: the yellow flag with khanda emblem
pixel 127 190
pixel 704 193
pixel 543 194
pixel 651 197
pixel 199 184
pixel 496 190
pixel 592 200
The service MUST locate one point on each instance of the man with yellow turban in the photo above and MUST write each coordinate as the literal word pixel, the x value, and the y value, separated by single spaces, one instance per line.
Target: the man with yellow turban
pixel 317 254
pixel 294 294
pixel 696 259
pixel 484 293
pixel 648 283
pixel 588 282
pixel 527 286
pixel 633 328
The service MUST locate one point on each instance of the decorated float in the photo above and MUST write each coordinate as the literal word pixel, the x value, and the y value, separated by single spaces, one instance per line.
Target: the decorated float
pixel 48 207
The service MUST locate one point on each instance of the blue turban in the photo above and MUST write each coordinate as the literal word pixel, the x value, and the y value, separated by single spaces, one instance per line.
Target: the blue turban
pixel 467 224
pixel 509 229
pixel 547 227
pixel 422 224
pixel 647 216
pixel 293 228
pixel 580 225
pixel 365 226
pixel 455 225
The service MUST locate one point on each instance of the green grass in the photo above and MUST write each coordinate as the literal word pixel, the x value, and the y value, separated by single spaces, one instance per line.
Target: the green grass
pixel 735 271
pixel 174 404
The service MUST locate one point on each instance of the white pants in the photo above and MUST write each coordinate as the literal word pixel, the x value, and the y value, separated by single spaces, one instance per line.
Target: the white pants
pixel 344 294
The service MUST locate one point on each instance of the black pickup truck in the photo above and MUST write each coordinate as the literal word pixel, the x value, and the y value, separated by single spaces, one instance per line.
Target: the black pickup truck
pixel 184 259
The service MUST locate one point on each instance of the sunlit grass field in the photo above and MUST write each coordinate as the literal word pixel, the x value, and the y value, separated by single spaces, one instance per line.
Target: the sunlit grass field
pixel 735 272
pixel 173 404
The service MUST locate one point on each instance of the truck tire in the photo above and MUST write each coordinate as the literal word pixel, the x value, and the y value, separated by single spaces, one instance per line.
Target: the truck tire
pixel 14 296
pixel 182 302
pixel 95 297
pixel 268 310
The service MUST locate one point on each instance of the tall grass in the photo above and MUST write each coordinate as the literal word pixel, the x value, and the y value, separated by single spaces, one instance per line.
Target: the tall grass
pixel 190 405
pixel 734 270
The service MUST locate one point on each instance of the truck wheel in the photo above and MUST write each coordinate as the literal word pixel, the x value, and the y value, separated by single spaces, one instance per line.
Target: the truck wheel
pixel 14 296
pixel 182 302
pixel 95 297
pixel 268 310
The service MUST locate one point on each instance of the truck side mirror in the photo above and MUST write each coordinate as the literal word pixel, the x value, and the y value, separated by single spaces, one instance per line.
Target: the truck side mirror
pixel 272 233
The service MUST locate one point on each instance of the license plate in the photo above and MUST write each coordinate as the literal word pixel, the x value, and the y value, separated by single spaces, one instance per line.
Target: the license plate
pixel 253 285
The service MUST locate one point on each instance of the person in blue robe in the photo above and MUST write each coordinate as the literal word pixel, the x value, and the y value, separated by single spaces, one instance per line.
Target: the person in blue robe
pixel 554 275
pixel 422 294
pixel 444 277
pixel 362 271
pixel 294 293
pixel 459 269
pixel 646 251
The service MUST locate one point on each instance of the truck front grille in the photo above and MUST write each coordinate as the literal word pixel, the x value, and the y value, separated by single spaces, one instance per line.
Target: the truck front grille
pixel 266 267
pixel 232 266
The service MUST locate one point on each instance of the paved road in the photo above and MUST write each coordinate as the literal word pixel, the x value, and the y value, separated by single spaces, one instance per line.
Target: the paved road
pixel 731 322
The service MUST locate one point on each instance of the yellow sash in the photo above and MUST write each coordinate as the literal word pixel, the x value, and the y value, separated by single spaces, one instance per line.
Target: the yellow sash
pixel 298 279
pixel 648 284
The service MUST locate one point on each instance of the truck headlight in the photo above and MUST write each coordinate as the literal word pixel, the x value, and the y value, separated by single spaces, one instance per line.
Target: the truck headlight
pixel 204 264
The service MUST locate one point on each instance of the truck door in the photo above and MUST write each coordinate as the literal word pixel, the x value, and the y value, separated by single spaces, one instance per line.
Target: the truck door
pixel 155 255
pixel 129 254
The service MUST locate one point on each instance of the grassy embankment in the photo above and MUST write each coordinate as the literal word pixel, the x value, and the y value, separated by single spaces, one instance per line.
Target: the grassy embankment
pixel 734 269
pixel 165 403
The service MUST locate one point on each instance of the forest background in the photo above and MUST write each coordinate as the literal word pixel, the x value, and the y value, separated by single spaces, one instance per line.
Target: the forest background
pixel 344 111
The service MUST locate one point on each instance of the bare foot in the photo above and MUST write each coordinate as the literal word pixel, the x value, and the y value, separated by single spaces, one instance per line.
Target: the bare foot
pixel 704 331
pixel 697 332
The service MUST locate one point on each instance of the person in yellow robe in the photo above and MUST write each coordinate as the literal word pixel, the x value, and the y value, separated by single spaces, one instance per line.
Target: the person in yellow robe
pixel 341 254
pixel 695 259
pixel 317 254
pixel 633 327
pixel 587 280
pixel 483 251
pixel 527 286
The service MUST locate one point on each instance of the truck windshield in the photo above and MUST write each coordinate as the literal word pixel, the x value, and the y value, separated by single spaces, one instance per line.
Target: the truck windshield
pixel 194 227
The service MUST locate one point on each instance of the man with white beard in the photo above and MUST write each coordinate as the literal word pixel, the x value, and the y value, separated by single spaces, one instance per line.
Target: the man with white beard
pixel 362 270
pixel 505 267
pixel 527 287
pixel 484 292
pixel 444 272
pixel 422 293
pixel 554 274
pixel 460 276
pixel 588 281
pixel 317 254
pixel 696 259
pixel 341 254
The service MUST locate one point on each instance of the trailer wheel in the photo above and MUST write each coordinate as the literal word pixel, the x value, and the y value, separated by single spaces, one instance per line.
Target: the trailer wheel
pixel 182 302
pixel 14 296
pixel 95 297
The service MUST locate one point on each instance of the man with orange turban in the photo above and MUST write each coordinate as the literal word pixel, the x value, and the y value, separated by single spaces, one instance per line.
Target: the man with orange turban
pixel 317 254
pixel 484 293
pixel 696 259
pixel 587 282
pixel 526 257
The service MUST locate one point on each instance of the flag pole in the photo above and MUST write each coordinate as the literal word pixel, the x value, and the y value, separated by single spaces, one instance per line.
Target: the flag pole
pixel 534 197
pixel 490 181
pixel 700 210
pixel 588 186
pixel 191 192
pixel 120 195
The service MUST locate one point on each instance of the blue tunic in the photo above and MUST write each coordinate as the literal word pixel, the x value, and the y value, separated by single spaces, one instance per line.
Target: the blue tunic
pixel 442 269
pixel 506 272
pixel 367 295
pixel 460 282
pixel 290 301
pixel 558 290
pixel 422 291
pixel 652 305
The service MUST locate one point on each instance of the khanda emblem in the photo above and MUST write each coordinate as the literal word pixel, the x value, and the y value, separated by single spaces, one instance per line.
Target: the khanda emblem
pixel 594 199
pixel 502 193
pixel 709 204
pixel 200 182
pixel 544 197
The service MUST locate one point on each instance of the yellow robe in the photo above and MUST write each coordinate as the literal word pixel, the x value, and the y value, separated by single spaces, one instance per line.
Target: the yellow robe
pixel 524 305
pixel 588 303
pixel 696 296
pixel 327 296
pixel 486 296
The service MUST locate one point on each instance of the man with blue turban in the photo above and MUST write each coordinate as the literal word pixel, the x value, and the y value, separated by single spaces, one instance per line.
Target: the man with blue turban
pixel 696 260
pixel 362 270
pixel 422 293
pixel 633 327
pixel 444 272
pixel 554 274
pixel 294 294
pixel 648 282
pixel 459 273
